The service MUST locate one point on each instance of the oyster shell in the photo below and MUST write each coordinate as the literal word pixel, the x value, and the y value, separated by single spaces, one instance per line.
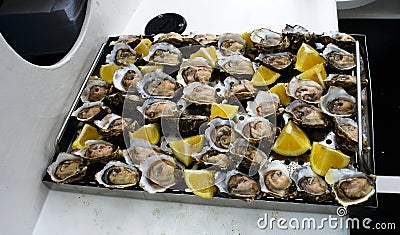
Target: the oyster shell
pixel 126 77
pixel 237 184
pixel 265 104
pixel 153 109
pixel 112 124
pixel 220 134
pixel 350 186
pixel 307 115
pixel 305 89
pixel 237 65
pixel 98 150
pixel 175 39
pixel 116 174
pixel 249 155
pixel 200 93
pixel 311 185
pixel 241 89
pixel 276 61
pixel 159 172
pixel 164 53
pixel 90 110
pixel 213 159
pixel 194 70
pixel 95 90
pixel 231 43
pixel 337 102
pixel 297 34
pixel 121 55
pixel 256 129
pixel 347 133
pixel 275 180
pixel 139 151
pixel 157 84
pixel 267 40
pixel 338 58
pixel 67 168
pixel 206 38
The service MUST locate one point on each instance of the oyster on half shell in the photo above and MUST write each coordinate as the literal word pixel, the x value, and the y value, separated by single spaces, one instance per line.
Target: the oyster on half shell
pixel 116 174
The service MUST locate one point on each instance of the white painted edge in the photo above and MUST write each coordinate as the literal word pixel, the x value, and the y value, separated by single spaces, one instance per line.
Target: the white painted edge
pixel 350 4
pixel 388 184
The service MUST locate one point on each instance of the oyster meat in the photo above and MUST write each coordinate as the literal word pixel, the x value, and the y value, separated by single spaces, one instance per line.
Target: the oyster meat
pixel 231 43
pixel 313 186
pixel 237 65
pixel 256 129
pixel 67 168
pixel 126 77
pixel 276 61
pixel 194 70
pixel 152 109
pixel 307 115
pixel 241 89
pixel 112 124
pixel 200 93
pixel 339 58
pixel 95 90
pixel 220 134
pixel 267 40
pixel 90 110
pixel 237 184
pixel 265 104
pixel 98 150
pixel 121 55
pixel 337 102
pixel 305 89
pixel 116 174
pixel 157 84
pixel 164 53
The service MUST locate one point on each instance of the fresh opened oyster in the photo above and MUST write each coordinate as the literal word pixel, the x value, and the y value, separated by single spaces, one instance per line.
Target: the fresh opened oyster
pixel 305 89
pixel 159 172
pixel 206 38
pixel 112 124
pixel 249 155
pixel 265 104
pixel 276 61
pixel 95 90
pixel 337 102
pixel 165 54
pixel 256 129
pixel 347 133
pixel 126 77
pixel 311 185
pixel 297 35
pixel 341 39
pixel 307 115
pixel 121 55
pixel 194 70
pixel 157 84
pixel 139 151
pixel 116 174
pixel 153 109
pixel 237 184
pixel 350 186
pixel 67 168
pixel 275 180
pixel 237 65
pixel 339 58
pixel 241 89
pixel 345 81
pixel 231 43
pixel 213 159
pixel 175 39
pixel 90 110
pixel 200 93
pixel 220 134
pixel 98 151
pixel 267 40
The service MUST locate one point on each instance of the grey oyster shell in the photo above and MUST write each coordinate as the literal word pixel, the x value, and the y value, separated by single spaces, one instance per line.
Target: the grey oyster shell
pixel 95 90
pixel 265 104
pixel 307 115
pixel 231 43
pixel 339 58
pixel 194 70
pixel 157 84
pixel 67 168
pixel 164 53
pixel 337 102
pixel 220 134
pixel 311 185
pixel 237 184
pixel 267 40
pixel 116 174
pixel 90 110
pixel 98 151
pixel 121 55
pixel 305 89
pixel 126 77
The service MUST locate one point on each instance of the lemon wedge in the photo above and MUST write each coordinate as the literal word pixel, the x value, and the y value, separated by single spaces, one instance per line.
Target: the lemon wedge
pixel 184 148
pixel 208 53
pixel 107 72
pixel 264 76
pixel 280 90
pixel 143 47
pixel 322 158
pixel 292 141
pixel 246 37
pixel 149 132
pixel 316 73
pixel 307 57
pixel 200 182
pixel 88 132
pixel 226 111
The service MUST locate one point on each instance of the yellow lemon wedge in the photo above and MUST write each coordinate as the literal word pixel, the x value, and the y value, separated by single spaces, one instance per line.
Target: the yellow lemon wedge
pixel 208 53
pixel 264 76
pixel 246 37
pixel 200 182
pixel 322 158
pixel 143 47
pixel 88 132
pixel 184 148
pixel 292 141
pixel 107 72
pixel 226 111
pixel 316 73
pixel 149 132
pixel 280 90
pixel 307 57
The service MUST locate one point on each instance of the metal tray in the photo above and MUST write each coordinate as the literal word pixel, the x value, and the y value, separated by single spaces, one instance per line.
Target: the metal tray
pixel 364 157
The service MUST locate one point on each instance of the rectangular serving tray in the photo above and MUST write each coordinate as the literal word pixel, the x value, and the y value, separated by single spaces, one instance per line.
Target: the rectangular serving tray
pixel 364 157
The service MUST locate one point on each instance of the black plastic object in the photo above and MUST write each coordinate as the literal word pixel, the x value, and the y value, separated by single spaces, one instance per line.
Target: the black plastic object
pixel 165 23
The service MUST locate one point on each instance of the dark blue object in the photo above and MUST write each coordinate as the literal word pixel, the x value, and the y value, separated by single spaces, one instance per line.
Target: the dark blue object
pixel 165 23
